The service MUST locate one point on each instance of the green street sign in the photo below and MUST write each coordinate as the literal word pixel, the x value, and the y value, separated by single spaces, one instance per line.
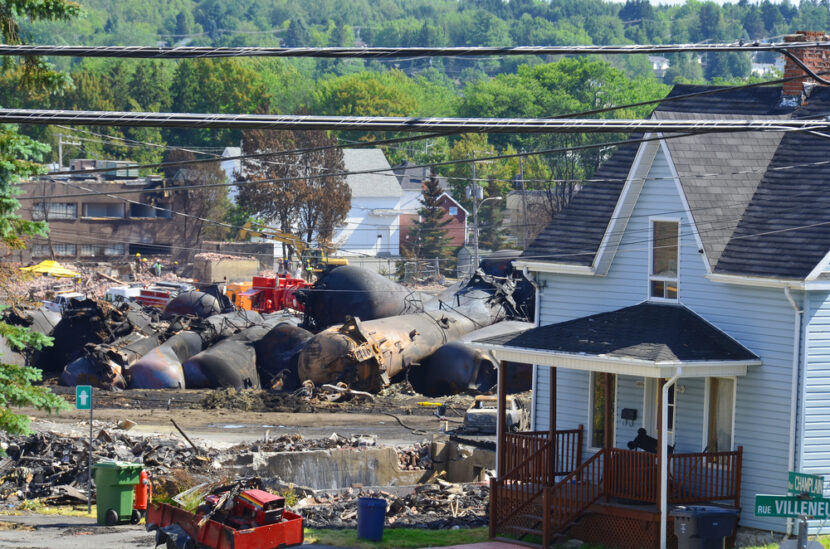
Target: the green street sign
pixel 83 397
pixel 791 506
pixel 802 483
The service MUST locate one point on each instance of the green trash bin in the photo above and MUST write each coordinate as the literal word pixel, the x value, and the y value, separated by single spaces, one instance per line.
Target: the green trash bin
pixel 114 485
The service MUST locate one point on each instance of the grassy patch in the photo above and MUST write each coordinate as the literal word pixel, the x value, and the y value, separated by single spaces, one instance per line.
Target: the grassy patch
pixel 394 538
pixel 35 506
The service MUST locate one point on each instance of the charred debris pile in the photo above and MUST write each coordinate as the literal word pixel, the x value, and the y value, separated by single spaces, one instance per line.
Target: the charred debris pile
pixel 359 331
pixel 434 506
pixel 53 467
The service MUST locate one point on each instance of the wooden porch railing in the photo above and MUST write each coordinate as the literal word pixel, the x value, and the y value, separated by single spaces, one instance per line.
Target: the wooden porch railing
pixel 567 451
pixel 693 478
pixel 566 501
pixel 706 477
pixel 633 475
pixel 514 496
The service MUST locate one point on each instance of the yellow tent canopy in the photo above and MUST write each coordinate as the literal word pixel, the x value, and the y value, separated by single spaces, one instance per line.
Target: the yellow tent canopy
pixel 51 268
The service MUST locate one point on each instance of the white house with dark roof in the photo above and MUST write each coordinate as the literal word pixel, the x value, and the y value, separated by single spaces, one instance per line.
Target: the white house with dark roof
pixel 684 321
pixel 373 223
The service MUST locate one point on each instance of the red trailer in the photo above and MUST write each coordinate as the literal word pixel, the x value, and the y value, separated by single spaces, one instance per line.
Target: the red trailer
pixel 182 528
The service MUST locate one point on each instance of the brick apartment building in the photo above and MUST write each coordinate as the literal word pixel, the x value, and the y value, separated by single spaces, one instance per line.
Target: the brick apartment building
pixel 104 227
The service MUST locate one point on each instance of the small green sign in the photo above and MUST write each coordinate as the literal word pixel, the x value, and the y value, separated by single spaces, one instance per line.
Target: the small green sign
pixel 801 483
pixel 83 397
pixel 791 506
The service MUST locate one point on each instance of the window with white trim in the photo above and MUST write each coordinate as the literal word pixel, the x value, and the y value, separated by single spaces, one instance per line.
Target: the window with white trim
pixel 664 259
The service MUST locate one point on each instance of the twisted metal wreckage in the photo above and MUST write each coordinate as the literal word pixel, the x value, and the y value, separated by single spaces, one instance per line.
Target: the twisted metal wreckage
pixel 358 328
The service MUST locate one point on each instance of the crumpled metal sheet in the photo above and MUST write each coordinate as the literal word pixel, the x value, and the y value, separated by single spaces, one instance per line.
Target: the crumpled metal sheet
pixel 278 353
pixel 83 371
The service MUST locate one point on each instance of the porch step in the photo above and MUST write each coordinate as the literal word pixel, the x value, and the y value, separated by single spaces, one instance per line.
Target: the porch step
pixel 525 531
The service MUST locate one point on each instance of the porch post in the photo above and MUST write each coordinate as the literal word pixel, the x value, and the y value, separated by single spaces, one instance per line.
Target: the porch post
pixel 552 426
pixel 660 383
pixel 664 461
pixel 552 420
pixel 609 413
pixel 501 426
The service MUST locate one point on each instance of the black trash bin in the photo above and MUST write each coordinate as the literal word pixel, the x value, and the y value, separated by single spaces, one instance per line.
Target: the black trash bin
pixel 703 526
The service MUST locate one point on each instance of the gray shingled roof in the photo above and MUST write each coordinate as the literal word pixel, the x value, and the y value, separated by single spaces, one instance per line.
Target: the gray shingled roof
pixel 718 202
pixel 750 223
pixel 648 331
pixel 376 185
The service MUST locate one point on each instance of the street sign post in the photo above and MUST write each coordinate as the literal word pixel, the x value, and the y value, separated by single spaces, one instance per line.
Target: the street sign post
pixel 83 401
pixel 802 483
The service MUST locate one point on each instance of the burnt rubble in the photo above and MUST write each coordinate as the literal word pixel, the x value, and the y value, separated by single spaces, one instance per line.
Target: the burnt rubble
pixel 53 467
pixel 432 506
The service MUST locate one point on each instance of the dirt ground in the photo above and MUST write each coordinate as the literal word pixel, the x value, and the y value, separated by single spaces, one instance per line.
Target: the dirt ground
pixel 225 417
pixel 222 428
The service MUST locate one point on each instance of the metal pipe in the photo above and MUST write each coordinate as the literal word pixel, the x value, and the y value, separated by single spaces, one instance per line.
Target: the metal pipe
pixel 799 313
pixel 664 457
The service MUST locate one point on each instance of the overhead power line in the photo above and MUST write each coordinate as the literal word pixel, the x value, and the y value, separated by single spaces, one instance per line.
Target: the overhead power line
pixel 199 52
pixel 399 124
pixel 412 138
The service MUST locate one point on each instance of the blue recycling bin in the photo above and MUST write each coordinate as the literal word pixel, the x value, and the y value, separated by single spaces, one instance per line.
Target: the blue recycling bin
pixel 371 514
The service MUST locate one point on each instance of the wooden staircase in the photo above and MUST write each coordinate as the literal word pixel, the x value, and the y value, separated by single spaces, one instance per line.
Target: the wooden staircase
pixel 545 510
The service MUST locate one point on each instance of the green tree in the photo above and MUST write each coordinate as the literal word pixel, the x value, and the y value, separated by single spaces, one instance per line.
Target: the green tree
pixel 19 156
pixel 428 238
pixel 223 86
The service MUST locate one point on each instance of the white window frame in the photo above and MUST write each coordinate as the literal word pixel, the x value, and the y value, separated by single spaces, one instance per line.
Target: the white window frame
pixel 707 394
pixel 650 266
pixel 590 421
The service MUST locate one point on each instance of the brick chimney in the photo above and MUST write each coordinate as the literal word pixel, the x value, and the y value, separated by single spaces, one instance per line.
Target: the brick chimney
pixel 817 59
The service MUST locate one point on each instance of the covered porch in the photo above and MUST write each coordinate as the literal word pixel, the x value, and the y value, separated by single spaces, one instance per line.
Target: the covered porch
pixel 591 483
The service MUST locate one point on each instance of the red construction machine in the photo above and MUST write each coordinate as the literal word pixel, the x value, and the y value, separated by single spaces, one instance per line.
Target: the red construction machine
pixel 269 294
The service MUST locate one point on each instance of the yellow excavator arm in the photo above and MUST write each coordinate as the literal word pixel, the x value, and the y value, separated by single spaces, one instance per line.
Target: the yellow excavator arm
pixel 317 258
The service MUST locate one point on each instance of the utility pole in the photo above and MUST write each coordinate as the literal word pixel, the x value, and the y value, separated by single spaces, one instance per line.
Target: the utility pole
pixel 475 193
pixel 61 143
pixel 524 201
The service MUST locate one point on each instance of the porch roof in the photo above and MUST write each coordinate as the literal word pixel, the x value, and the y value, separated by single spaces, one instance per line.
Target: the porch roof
pixel 649 340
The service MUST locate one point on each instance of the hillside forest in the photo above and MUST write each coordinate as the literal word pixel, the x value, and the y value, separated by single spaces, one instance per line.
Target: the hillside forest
pixel 474 87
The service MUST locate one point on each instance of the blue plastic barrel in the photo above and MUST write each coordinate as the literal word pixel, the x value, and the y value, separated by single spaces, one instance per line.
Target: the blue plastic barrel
pixel 371 514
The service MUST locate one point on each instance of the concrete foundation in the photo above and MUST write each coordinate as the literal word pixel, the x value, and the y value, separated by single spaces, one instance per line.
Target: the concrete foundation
pixel 460 463
pixel 330 469
pixel 225 270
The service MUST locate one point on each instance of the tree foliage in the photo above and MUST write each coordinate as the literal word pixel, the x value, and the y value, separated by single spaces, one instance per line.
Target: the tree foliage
pixel 428 238
pixel 19 156
pixel 199 205
pixel 294 192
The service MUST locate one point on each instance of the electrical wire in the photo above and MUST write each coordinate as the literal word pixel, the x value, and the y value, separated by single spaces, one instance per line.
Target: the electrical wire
pixel 405 139
pixel 440 164
pixel 379 52
pixel 399 124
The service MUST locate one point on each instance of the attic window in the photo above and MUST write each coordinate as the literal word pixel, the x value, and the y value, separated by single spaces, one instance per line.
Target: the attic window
pixel 664 259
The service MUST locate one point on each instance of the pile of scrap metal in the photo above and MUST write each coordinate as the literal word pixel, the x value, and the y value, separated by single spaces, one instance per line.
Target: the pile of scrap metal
pixel 359 329
pixel 237 515
pixel 191 344
pixel 39 320
pixel 367 354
